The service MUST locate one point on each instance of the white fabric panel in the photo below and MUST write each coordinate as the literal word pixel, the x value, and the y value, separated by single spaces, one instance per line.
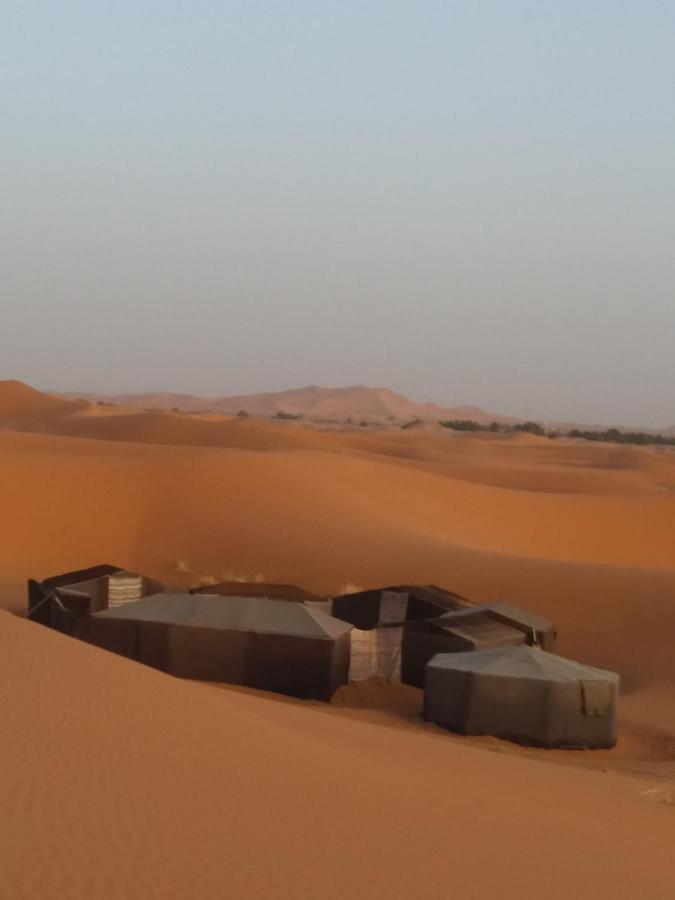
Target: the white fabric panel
pixel 376 654
pixel 124 589
pixel 363 657
pixel 393 607
pixel 389 642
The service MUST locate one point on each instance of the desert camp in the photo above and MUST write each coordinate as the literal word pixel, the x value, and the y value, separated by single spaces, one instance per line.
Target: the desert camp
pixel 482 666
pixel 158 691
pixel 337 450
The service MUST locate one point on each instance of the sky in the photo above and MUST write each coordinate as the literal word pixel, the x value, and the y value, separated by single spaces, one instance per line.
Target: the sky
pixel 469 202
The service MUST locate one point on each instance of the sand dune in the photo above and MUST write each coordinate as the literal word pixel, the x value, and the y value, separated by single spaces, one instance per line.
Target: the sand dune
pixel 20 403
pixel 123 782
pixel 581 533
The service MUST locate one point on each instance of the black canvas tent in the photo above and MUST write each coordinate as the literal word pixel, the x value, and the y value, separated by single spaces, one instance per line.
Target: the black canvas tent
pixel 273 645
pixel 523 694
pixel 61 601
pixel 395 605
pixel 478 627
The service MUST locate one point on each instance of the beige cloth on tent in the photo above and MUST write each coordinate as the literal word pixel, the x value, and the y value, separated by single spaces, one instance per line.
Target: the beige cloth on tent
pixel 376 654
pixel 596 697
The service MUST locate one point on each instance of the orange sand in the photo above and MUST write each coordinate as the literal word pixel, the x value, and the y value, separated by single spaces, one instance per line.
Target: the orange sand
pixel 119 781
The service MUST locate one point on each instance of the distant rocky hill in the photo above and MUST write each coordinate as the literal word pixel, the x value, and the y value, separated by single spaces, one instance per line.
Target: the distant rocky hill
pixel 312 402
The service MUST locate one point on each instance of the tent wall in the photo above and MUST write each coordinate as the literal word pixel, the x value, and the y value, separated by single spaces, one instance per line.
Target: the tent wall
pixel 96 589
pixel 421 642
pixel 207 654
pixel 116 635
pixel 300 667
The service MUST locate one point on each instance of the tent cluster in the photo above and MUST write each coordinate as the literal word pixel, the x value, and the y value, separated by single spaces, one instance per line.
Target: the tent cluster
pixel 485 668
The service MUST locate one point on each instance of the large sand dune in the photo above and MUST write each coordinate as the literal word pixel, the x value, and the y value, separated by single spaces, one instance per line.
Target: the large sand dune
pixel 312 402
pixel 121 782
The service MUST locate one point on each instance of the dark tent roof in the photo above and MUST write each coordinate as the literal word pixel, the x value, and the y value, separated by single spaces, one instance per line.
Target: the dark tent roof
pixel 537 628
pixel 82 575
pixel 521 662
pixel 395 604
pixel 512 612
pixel 252 614
pixel 430 592
pixel 519 614
pixel 58 600
pixel 256 589
pixel 434 594
pixel 478 628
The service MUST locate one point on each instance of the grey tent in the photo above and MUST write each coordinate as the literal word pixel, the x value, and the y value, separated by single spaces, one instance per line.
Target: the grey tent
pixel 274 645
pixel 62 600
pixel 523 694
pixel 451 633
pixel 478 627
pixel 395 605
pixel 257 589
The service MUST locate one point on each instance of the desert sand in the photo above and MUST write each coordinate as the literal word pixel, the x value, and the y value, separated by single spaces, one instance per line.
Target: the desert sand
pixel 119 781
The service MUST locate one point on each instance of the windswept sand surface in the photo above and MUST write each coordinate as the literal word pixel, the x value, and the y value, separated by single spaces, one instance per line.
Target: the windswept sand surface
pixel 118 781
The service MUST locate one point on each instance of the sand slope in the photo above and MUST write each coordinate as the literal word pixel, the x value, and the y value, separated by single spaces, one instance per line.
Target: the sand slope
pixel 20 403
pixel 123 783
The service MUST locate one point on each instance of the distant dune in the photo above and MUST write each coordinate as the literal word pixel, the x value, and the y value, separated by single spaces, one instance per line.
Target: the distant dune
pixel 316 403
pixel 119 781
pixel 19 403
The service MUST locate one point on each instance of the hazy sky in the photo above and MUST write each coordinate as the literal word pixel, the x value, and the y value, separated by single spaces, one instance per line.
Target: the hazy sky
pixel 471 202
